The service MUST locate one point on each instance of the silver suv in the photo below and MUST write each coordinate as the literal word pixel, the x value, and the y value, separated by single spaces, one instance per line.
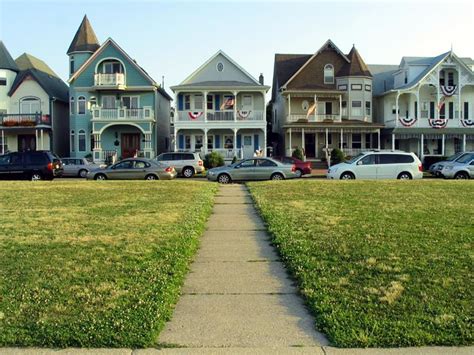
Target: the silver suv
pixel 462 168
pixel 185 164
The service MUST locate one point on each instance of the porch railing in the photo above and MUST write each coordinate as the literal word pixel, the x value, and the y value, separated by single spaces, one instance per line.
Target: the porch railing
pixel 122 113
pixel 101 79
pixel 313 118
pixel 220 115
pixel 24 119
pixel 227 153
pixel 211 115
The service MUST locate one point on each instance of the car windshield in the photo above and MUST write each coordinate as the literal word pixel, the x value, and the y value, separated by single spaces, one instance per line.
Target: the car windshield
pixel 354 159
pixel 466 158
pixel 454 157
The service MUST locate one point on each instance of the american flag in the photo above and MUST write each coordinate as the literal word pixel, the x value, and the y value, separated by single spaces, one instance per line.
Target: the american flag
pixel 229 102
pixel 311 110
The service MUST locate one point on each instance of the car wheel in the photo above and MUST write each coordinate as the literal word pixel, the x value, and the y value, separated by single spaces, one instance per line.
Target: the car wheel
pixel 277 176
pixel 36 177
pixel 298 173
pixel 404 176
pixel 347 176
pixel 100 177
pixel 224 179
pixel 461 176
pixel 188 172
pixel 151 177
pixel 82 173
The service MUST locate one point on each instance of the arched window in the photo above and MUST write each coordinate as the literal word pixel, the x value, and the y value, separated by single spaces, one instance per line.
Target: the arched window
pixel 81 105
pixel 71 106
pixel 92 141
pixel 30 105
pixel 82 140
pixel 328 74
pixel 73 142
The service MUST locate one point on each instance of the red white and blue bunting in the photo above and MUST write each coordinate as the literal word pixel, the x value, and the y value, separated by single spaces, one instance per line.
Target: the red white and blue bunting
pixel 195 115
pixel 407 121
pixel 467 123
pixel 438 122
pixel 448 90
pixel 244 114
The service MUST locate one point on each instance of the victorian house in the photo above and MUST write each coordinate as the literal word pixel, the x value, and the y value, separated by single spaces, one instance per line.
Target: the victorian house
pixel 426 104
pixel 33 105
pixel 323 101
pixel 116 108
pixel 220 107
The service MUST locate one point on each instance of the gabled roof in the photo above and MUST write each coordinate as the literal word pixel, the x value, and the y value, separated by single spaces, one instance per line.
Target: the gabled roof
pixel 327 44
pixel 6 60
pixel 285 66
pixel 104 45
pixel 85 39
pixel 356 66
pixel 382 77
pixel 28 61
pixel 219 52
pixel 51 84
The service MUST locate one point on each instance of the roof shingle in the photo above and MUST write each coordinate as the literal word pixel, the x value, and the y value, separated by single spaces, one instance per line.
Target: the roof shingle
pixel 85 39
pixel 6 60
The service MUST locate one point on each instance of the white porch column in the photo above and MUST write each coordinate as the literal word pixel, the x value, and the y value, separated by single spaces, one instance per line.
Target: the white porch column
pixel 42 139
pixel 302 143
pixel 342 139
pixel 175 139
pixel 235 105
pixel 327 146
pixel 437 96
pixel 205 105
pixel 422 142
pixel 289 140
pixel 289 107
pixel 327 138
pixel 205 141
pixel 315 108
pixel 265 142
pixel 340 109
pixel 36 140
pixel 397 109
pixel 235 142
pixel 459 101
pixel 378 139
pixel 3 142
pixel 463 142
pixel 442 144
pixel 418 107
pixel 393 141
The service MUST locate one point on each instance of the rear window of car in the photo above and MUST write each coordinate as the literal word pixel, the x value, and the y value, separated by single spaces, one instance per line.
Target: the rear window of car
pixel 188 157
pixel 395 159
pixel 288 161
pixel 36 158
pixel 167 156
pixel 265 162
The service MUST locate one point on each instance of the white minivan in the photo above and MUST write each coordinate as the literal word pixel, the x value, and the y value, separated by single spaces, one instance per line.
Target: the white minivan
pixel 379 165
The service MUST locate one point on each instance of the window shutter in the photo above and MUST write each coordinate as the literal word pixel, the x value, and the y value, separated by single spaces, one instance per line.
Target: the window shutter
pixel 180 102
pixel 218 102
pixel 181 141
pixel 239 141
pixel 217 141
pixel 256 144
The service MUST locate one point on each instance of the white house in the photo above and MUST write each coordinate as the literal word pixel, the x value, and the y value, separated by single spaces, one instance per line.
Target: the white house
pixel 426 104
pixel 220 107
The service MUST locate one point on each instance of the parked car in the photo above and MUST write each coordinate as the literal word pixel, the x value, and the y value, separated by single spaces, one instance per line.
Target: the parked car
pixel 32 165
pixel 379 165
pixel 77 167
pixel 302 167
pixel 435 169
pixel 461 168
pixel 252 169
pixel 186 164
pixel 134 169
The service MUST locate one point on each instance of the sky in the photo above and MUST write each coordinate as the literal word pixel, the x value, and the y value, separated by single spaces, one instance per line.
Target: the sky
pixel 173 38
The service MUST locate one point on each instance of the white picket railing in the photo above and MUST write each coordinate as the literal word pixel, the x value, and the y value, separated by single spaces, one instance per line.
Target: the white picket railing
pixel 101 79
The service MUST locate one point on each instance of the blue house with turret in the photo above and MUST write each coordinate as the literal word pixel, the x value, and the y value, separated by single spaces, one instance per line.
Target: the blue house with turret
pixel 116 109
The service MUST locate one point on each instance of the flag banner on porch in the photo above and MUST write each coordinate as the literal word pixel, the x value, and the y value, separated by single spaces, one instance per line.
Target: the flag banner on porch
pixel 311 110
pixel 441 103
pixel 195 115
pixel 438 122
pixel 467 123
pixel 407 121
pixel 448 90
pixel 244 114
pixel 229 102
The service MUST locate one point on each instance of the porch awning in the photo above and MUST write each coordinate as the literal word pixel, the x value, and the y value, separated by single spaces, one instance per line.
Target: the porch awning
pixel 431 131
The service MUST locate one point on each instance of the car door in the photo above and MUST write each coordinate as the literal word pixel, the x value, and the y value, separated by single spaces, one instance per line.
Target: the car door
pixel 168 160
pixel 264 169
pixel 4 167
pixel 16 167
pixel 470 168
pixel 244 170
pixel 120 171
pixel 366 167
pixel 68 167
pixel 139 170
pixel 387 166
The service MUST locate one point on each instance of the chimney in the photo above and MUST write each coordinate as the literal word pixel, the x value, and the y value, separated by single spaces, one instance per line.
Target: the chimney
pixel 260 79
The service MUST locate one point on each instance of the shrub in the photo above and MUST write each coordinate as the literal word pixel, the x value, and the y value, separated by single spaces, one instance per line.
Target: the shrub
pixel 337 156
pixel 213 160
pixel 298 154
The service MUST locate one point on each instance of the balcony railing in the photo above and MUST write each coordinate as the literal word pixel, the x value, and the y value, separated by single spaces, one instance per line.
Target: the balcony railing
pixel 122 113
pixel 219 116
pixel 314 118
pixel 101 79
pixel 24 119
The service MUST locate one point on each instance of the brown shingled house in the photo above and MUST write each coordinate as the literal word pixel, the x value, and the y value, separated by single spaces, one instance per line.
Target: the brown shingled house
pixel 323 101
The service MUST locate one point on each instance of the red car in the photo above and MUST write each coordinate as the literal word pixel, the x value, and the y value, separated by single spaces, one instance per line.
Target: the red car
pixel 302 167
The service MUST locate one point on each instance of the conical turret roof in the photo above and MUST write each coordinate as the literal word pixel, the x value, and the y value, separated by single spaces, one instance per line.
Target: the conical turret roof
pixel 85 39
pixel 6 60
pixel 356 67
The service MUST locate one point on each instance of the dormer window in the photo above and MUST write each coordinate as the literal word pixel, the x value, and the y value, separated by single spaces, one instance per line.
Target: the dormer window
pixel 328 74
pixel 112 67
pixel 406 77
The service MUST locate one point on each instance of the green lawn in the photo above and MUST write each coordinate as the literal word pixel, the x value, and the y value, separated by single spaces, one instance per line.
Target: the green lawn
pixel 92 264
pixel 383 263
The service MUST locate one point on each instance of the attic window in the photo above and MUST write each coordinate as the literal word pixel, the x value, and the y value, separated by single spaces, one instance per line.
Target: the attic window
pixel 220 67
pixel 328 74
pixel 3 81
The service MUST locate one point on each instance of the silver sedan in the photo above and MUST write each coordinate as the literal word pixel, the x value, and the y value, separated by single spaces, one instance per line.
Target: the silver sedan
pixel 134 169
pixel 252 169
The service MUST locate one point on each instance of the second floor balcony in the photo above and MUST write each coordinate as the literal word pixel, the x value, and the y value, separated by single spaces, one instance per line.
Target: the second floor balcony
pixel 123 113
pixel 107 81
pixel 19 120
pixel 219 116
pixel 334 117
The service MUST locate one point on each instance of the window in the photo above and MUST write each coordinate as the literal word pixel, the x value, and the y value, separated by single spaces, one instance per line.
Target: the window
pixel 466 110
pixel 432 109
pixel 3 81
pixel 368 141
pixel 81 105
pixel 73 142
pixel 265 163
pixel 451 110
pixel 356 140
pixel 342 87
pixel 112 67
pixel 368 87
pixel 141 165
pixel 441 78
pixel 450 78
pixel 367 108
pixel 442 112
pixel 210 102
pixel 198 142
pixel 416 109
pixel 220 67
pixel 395 159
pixel 30 105
pixel 344 108
pixel 328 74
pixel 247 163
pixel 228 102
pixel 329 136
pixel 357 108
pixel 198 102
pixel 210 142
pixel 406 77
pixel 82 141
pixel 228 142
pixel 247 101
pixel 128 164
pixel 356 87
pixel 71 106
pixel 187 142
pixel 92 141
pixel 71 65
pixel 367 160
pixel 247 140
pixel 187 102
pixel 131 102
pixel 108 102
pixel 36 158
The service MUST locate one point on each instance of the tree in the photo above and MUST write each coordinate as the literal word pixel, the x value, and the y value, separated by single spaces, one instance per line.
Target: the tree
pixel 298 154
pixel 213 160
pixel 337 156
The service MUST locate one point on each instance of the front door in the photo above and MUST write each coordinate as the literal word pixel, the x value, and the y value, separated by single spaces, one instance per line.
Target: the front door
pixel 130 144
pixel 310 145
pixel 26 142
pixel 248 146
